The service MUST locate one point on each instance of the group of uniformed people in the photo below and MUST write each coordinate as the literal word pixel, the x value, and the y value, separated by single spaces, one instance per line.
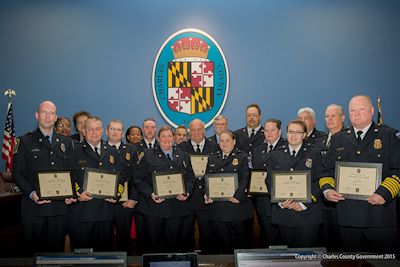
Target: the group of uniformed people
pixel 168 224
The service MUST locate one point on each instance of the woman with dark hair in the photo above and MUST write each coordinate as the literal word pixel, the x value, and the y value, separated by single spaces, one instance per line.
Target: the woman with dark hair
pixel 230 219
pixel 63 126
pixel 298 222
pixel 133 135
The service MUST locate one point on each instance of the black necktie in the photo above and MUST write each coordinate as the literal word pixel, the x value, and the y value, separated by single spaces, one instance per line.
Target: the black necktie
pixel 150 145
pixel 96 149
pixel 225 157
pixel 293 154
pixel 359 133
pixel 270 148
pixel 48 139
pixel 169 156
pixel 252 133
pixel 198 149
pixel 328 142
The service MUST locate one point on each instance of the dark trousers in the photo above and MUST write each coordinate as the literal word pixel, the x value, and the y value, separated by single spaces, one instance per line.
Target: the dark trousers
pixel 269 233
pixel 163 234
pixel 297 237
pixel 232 235
pixel 96 235
pixel 206 235
pixel 123 222
pixel 330 235
pixel 371 239
pixel 44 233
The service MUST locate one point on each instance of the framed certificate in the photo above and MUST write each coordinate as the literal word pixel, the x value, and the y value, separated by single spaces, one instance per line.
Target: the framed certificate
pixel 167 185
pixel 291 185
pixel 357 180
pixel 199 164
pixel 55 185
pixel 257 185
pixel 101 183
pixel 221 186
pixel 124 196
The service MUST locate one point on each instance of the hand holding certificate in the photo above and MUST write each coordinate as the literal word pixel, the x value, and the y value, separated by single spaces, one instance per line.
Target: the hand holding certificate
pixel 168 185
pixel 221 186
pixel 357 180
pixel 291 185
pixel 55 185
pixel 101 183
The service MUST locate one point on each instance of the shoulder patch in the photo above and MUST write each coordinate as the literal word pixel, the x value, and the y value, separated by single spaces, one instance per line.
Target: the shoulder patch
pixel 16 146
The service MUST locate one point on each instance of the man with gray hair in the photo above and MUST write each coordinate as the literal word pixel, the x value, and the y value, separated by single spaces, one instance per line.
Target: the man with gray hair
pixel 308 116
pixel 220 124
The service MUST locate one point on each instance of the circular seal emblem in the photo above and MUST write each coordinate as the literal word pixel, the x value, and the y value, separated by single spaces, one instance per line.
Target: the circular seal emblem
pixel 190 78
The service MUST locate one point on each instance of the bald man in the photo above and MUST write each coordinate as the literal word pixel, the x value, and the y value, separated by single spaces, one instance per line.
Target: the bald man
pixel 198 144
pixel 370 224
pixel 43 221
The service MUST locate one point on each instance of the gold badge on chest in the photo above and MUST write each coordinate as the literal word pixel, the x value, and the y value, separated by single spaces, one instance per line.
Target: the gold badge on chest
pixel 377 144
pixel 235 162
pixel 111 159
pixel 128 156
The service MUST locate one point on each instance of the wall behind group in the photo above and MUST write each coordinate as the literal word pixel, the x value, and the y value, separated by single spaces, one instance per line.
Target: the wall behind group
pixel 97 55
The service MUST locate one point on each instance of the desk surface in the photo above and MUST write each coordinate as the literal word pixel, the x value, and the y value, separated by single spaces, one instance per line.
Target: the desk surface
pixel 219 261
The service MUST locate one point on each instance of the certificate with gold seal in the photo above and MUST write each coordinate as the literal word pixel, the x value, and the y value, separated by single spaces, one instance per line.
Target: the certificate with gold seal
pixel 221 186
pixel 199 164
pixel 294 185
pixel 257 185
pixel 55 185
pixel 168 184
pixel 357 180
pixel 101 183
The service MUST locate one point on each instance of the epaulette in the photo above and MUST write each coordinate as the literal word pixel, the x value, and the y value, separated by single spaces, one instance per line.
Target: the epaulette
pixel 281 147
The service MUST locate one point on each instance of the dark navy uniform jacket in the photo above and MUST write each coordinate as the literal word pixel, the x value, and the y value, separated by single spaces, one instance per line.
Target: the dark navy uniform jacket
pixel 141 146
pixel 259 158
pixel 213 138
pixel 225 211
pixel 315 134
pixel 34 153
pixel 381 144
pixel 196 201
pixel 95 209
pixel 248 144
pixel 308 158
pixel 129 159
pixel 153 161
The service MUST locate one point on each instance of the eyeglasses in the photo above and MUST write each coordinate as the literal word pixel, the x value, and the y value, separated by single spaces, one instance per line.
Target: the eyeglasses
pixel 63 126
pixel 294 132
pixel 116 129
pixel 44 112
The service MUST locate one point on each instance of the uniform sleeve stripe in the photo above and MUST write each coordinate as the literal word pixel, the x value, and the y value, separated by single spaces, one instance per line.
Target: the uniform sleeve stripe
pixel 393 182
pixel 396 178
pixel 120 189
pixel 391 185
pixel 326 180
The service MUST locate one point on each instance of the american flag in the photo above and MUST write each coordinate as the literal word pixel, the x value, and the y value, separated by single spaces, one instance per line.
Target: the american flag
pixel 8 139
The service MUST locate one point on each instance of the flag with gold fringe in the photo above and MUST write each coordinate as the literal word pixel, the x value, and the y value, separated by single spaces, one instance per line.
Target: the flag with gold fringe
pixel 379 120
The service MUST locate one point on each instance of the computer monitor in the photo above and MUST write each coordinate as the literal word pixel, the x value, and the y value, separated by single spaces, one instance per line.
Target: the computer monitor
pixel 279 257
pixel 170 260
pixel 90 259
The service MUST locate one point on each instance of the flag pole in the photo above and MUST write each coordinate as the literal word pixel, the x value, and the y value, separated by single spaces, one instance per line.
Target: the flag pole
pixel 379 111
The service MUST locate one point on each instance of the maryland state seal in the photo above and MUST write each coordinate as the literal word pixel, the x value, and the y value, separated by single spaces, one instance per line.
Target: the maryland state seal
pixel 190 78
